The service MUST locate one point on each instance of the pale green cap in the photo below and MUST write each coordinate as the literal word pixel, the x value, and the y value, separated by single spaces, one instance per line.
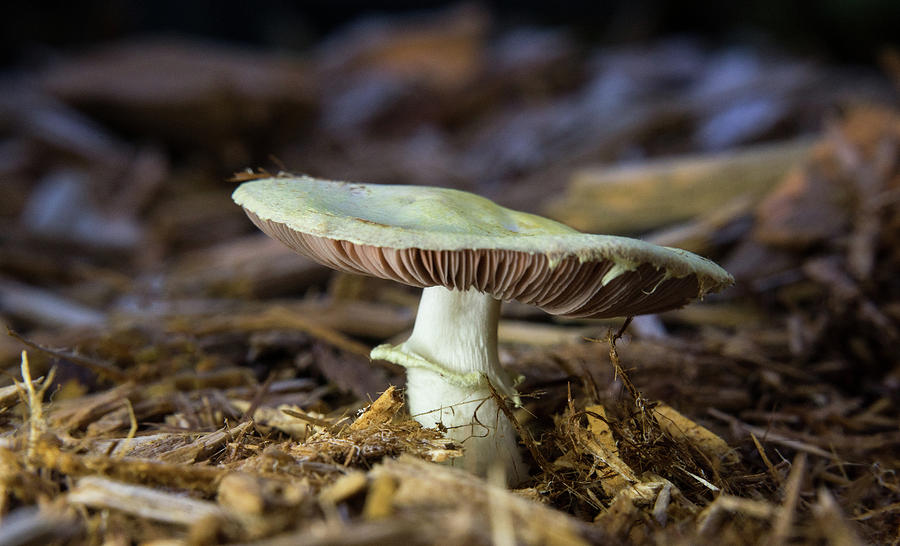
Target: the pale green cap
pixel 427 236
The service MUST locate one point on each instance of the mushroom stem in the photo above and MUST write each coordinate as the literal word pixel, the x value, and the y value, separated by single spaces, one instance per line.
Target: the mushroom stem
pixel 450 357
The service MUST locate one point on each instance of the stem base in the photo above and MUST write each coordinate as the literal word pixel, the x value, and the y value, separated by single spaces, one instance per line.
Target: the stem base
pixel 449 359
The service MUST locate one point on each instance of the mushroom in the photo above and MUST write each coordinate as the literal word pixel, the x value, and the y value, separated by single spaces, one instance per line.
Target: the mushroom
pixel 469 254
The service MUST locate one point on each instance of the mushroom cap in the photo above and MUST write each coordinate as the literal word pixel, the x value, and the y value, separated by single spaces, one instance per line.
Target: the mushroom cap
pixel 425 236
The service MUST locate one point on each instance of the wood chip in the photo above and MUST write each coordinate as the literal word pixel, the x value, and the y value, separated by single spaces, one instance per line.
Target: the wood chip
pixel 142 501
pixel 604 447
pixel 661 192
pixel 681 428
pixel 421 483
pixel 379 501
pixel 381 411
pixel 345 487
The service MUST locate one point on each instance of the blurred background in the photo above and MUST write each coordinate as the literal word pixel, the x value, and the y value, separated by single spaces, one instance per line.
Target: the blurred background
pixel 507 99
pixel 844 30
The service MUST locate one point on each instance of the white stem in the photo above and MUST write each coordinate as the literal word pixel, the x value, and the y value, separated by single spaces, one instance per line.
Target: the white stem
pixel 449 357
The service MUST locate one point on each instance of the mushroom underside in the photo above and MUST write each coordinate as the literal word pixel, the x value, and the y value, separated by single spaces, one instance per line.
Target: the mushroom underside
pixel 569 287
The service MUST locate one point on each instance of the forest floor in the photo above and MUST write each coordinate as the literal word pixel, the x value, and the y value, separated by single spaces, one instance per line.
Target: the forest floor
pixel 173 376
